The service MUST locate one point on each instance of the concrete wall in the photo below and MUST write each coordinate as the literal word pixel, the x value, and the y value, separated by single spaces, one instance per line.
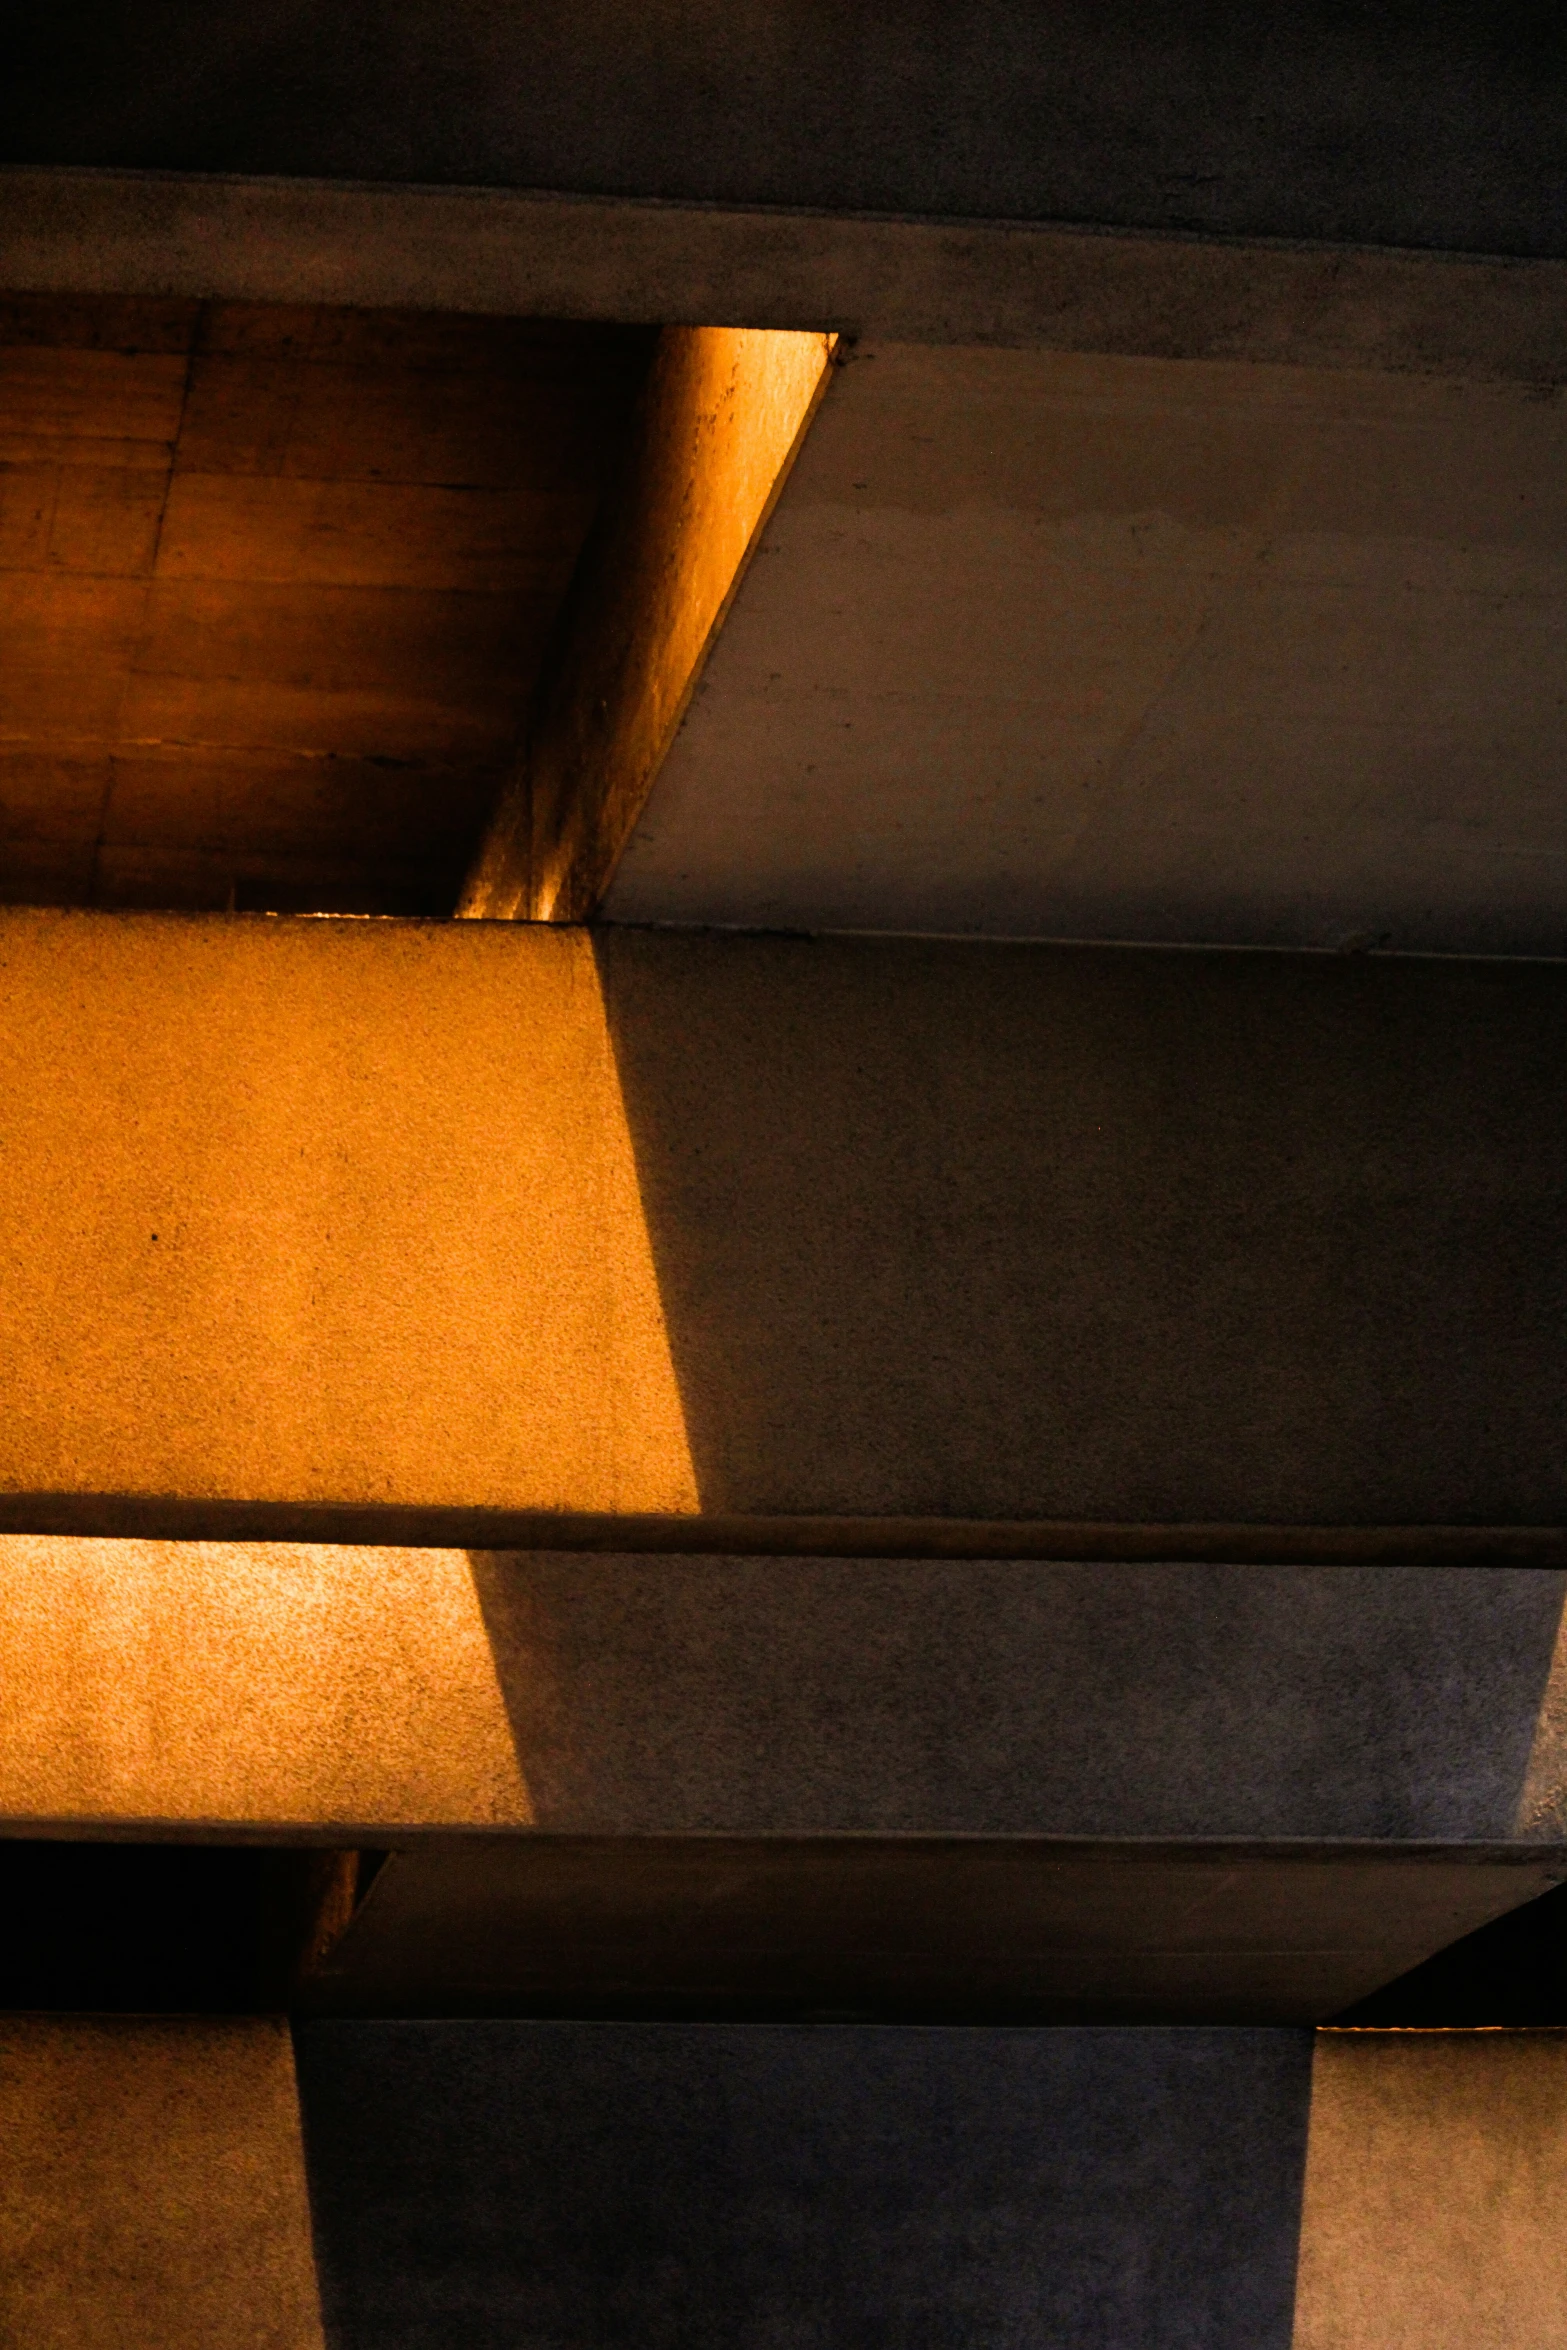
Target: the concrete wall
pixel 588 2186
pixel 528 2185
pixel 1429 128
pixel 514 1220
pixel 152 2187
pixel 1436 2190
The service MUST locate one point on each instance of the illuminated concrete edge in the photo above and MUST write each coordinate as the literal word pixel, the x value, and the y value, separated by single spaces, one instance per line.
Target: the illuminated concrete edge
pixel 1365 2192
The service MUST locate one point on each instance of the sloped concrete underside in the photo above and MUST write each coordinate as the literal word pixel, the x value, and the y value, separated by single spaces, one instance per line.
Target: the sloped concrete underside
pixel 1072 646
pixel 908 1931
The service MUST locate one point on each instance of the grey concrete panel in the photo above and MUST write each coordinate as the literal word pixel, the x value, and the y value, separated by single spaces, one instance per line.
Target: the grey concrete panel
pixel 1433 126
pixel 1046 645
pixel 584 2188
pixel 663 1696
pixel 1294 1241
pixel 206 236
pixel 910 1929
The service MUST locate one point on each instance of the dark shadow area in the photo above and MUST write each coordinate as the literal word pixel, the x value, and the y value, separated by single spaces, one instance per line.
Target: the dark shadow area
pixel 1258 124
pixel 908 1929
pixel 1005 1697
pixel 520 2185
pixel 393 502
pixel 1034 1232
pixel 162 1929
pixel 981 1791
pixel 1511 1972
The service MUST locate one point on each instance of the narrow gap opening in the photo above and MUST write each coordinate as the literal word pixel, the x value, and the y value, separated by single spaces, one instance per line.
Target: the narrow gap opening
pixel 168 1929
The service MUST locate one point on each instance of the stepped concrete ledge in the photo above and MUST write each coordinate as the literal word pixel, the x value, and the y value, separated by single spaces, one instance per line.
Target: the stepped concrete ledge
pixel 775 1786
pixel 489 1217
pixel 175 2181
pixel 1039 285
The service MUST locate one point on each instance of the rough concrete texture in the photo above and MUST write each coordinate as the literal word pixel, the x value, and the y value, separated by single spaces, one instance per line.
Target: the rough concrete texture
pixel 1430 127
pixel 919 280
pixel 750 1696
pixel 1141 1235
pixel 268 1686
pixel 152 2187
pixel 720 418
pixel 281 1686
pixel 505 1216
pixel 1057 646
pixel 1436 2192
pixel 583 2187
pixel 308 1208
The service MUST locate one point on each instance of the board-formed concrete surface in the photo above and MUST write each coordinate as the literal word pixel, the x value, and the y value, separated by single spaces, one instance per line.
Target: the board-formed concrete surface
pixel 1131 648
pixel 152 2186
pixel 518 1219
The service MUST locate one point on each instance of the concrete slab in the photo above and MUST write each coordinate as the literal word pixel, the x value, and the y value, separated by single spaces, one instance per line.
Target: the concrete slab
pixel 1058 646
pixel 376 244
pixel 1430 128
pixel 913 1929
pixel 588 2186
pixel 374 1696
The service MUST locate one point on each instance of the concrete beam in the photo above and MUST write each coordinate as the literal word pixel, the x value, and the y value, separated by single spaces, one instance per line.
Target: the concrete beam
pixel 662 2186
pixel 1048 646
pixel 371 1696
pixel 544 1229
pixel 1133 2189
pixel 1047 1791
pixel 908 1929
pixel 718 426
pixel 1051 285
pixel 1428 128
pixel 1112 2190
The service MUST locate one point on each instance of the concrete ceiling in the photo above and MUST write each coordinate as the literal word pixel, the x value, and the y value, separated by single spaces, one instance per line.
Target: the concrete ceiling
pixel 274 587
pixel 1053 645
pixel 1437 125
